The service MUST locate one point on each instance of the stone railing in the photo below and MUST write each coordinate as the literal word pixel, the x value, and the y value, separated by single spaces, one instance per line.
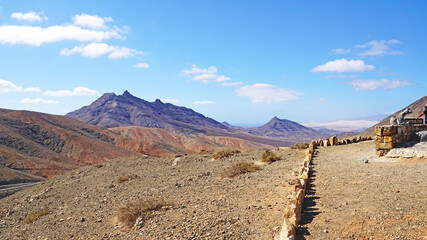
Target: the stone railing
pixel 389 136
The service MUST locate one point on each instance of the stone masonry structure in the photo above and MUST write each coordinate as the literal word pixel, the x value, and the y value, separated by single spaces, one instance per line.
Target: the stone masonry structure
pixel 390 136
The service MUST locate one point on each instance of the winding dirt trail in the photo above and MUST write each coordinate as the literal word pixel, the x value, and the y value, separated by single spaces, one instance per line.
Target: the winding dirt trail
pixel 350 199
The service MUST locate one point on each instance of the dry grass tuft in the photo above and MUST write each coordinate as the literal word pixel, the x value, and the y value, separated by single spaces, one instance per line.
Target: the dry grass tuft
pixel 220 154
pixel 36 215
pixel 126 178
pixel 141 208
pixel 239 168
pixel 268 156
pixel 303 145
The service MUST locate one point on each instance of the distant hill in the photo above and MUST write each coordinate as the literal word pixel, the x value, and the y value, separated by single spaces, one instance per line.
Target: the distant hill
pixel 286 129
pixel 47 145
pixel 112 110
pixel 417 107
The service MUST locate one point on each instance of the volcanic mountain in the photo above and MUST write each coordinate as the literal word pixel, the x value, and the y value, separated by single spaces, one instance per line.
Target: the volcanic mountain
pixel 286 129
pixel 47 145
pixel 112 110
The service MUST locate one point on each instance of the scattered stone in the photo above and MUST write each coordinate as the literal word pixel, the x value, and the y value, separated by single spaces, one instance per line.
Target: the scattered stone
pixel 82 219
pixel 325 231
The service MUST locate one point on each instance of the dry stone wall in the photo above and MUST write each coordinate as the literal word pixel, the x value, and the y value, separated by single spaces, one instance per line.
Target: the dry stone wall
pixel 293 210
pixel 390 136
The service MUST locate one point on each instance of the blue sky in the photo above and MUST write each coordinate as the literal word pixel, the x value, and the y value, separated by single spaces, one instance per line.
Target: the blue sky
pixel 237 61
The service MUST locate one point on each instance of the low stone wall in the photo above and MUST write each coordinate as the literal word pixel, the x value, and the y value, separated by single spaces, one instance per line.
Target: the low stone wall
pixel 390 136
pixel 293 210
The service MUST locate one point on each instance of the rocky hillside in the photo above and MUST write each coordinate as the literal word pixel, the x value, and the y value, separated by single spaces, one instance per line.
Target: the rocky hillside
pixel 285 129
pixel 112 110
pixel 417 107
pixel 158 142
pixel 46 145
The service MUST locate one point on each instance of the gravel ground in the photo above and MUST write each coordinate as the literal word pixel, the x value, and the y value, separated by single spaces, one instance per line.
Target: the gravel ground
pixel 83 204
pixel 351 198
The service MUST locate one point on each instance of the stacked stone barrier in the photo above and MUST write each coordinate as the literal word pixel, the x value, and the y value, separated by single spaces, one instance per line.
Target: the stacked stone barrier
pixel 389 136
pixel 293 210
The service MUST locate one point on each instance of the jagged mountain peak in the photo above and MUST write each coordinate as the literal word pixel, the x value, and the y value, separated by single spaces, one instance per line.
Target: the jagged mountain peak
pixel 128 110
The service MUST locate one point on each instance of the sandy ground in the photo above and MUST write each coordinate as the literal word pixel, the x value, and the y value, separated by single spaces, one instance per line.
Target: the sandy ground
pixel 83 203
pixel 350 199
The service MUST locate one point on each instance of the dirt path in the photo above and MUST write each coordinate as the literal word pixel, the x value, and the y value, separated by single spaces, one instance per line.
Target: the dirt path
pixel 82 204
pixel 350 199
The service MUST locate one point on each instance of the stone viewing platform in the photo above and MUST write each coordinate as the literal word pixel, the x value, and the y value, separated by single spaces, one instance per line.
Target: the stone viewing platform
pixel 391 136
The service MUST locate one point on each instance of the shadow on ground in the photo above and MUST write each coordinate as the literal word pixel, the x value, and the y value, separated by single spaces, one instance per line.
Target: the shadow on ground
pixel 309 209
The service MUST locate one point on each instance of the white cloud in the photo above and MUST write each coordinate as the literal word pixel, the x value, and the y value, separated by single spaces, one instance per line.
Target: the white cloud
pixel 91 21
pixel 37 101
pixel 203 103
pixel 94 50
pixel 374 84
pixel 78 91
pixel 170 100
pixel 227 84
pixel 142 65
pixel 32 89
pixel 343 65
pixel 262 92
pixel 36 36
pixel 342 125
pixel 205 74
pixel 29 16
pixel 340 51
pixel 6 86
pixel 378 48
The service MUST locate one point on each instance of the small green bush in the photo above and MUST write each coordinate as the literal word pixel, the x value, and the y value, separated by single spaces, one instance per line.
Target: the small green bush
pixel 36 215
pixel 303 145
pixel 220 154
pixel 268 156
pixel 238 169
pixel 141 208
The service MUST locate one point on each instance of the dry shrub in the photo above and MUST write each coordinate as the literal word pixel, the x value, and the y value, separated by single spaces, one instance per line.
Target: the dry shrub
pixel 126 178
pixel 220 154
pixel 303 145
pixel 36 215
pixel 239 168
pixel 268 156
pixel 141 208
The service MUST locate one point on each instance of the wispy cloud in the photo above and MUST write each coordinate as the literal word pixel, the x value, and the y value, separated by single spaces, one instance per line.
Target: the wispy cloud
pixel 267 93
pixel 36 36
pixel 6 86
pixel 170 100
pixel 339 51
pixel 204 102
pixel 378 48
pixel 205 74
pixel 142 65
pixel 376 84
pixel 91 21
pixel 78 91
pixel 37 101
pixel 343 65
pixel 32 89
pixel 29 16
pixel 94 50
